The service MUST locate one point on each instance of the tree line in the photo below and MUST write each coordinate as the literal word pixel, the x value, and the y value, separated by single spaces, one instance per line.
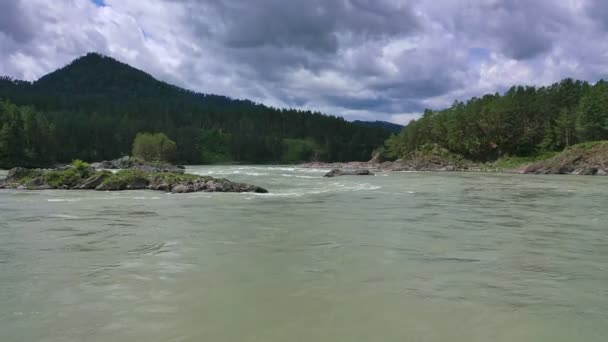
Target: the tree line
pixel 522 122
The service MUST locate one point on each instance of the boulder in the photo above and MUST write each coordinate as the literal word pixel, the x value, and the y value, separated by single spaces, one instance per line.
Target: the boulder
pixel 160 187
pixel 376 159
pixel 240 187
pixel 214 186
pixel 181 189
pixel 94 181
pixel 104 165
pixel 135 164
pixel 37 183
pixel 123 163
pixel 357 172
pixel 110 186
pixel 138 183
pixel 18 173
pixel 158 168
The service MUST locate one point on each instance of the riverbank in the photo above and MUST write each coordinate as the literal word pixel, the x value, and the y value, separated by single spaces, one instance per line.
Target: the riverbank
pixel 582 159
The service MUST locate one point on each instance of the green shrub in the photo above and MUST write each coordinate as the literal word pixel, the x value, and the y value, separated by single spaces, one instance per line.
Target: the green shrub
pixel 122 178
pixel 83 168
pixel 171 178
pixel 154 147
pixel 511 162
pixel 58 178
pixel 29 176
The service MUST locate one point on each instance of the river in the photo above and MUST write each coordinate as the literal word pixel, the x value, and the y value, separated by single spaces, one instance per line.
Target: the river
pixel 394 257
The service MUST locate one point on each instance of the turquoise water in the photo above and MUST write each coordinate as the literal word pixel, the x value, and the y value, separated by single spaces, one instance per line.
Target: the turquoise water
pixel 395 257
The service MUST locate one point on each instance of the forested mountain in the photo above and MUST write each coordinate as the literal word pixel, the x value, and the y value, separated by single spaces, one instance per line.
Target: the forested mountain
pixel 389 126
pixel 522 122
pixel 92 109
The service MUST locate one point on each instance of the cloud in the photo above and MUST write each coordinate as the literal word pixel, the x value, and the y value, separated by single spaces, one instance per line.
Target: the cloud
pixel 15 22
pixel 598 10
pixel 315 25
pixel 363 59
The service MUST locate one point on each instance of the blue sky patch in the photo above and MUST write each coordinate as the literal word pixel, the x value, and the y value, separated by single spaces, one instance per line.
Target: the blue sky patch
pixel 99 3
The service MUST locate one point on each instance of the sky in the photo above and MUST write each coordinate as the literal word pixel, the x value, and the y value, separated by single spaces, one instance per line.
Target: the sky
pixel 361 59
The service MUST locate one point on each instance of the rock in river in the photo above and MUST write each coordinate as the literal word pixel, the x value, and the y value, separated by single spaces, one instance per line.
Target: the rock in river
pixel 71 178
pixel 136 164
pixel 357 172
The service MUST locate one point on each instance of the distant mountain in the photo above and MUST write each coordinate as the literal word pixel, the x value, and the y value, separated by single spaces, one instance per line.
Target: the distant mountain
pixel 96 105
pixel 389 126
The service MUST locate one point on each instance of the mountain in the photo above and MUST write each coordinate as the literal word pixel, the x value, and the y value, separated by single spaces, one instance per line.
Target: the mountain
pixel 94 107
pixel 389 126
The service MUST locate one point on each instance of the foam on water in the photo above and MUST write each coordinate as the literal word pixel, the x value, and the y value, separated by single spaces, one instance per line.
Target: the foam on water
pixel 70 217
pixel 298 176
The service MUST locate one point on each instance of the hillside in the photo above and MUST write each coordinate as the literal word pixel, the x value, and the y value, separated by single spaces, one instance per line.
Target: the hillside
pixel 583 159
pixel 92 109
pixel 523 122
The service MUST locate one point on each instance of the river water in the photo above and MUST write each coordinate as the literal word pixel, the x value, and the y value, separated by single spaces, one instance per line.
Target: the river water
pixel 395 257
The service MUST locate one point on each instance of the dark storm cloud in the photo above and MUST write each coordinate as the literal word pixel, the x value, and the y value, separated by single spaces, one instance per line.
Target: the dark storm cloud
pixel 358 58
pixel 15 22
pixel 520 29
pixel 599 12
pixel 311 25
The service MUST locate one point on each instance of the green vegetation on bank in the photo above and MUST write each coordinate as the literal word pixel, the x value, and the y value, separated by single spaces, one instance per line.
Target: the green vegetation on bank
pixel 523 125
pixel 121 179
pixel 507 162
pixel 94 108
pixel 590 158
pixel 68 177
pixel 154 147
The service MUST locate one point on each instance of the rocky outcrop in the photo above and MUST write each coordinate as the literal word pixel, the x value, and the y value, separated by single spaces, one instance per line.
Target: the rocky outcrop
pixel 430 163
pixel 95 180
pixel 433 159
pixel 130 179
pixel 120 163
pixel 213 185
pixel 589 159
pixel 136 164
pixel 18 173
pixel 356 172
pixel 583 159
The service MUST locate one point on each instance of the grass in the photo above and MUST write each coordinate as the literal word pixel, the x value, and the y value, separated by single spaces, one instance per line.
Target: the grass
pixel 59 178
pixel 512 162
pixel 171 178
pixel 593 152
pixel 597 150
pixel 31 175
pixel 586 145
pixel 122 178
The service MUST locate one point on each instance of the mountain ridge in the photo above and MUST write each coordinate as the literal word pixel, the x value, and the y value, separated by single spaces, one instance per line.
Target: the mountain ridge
pixel 97 105
pixel 389 126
